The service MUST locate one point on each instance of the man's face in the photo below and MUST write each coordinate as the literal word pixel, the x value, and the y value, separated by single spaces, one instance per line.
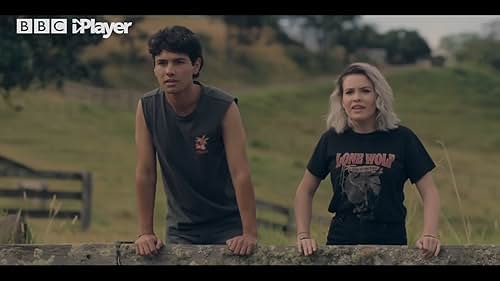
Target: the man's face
pixel 174 71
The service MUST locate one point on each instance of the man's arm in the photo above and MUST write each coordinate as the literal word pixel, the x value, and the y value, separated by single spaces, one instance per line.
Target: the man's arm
pixel 145 185
pixel 235 145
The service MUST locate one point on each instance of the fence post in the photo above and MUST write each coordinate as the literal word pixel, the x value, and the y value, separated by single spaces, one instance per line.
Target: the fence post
pixel 86 199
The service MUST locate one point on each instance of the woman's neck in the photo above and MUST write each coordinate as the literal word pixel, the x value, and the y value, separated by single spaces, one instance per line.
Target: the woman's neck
pixel 364 127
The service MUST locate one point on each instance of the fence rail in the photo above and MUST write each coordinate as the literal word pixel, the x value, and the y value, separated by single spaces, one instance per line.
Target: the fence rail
pixel 43 194
pixel 289 227
pixel 42 213
pixel 40 191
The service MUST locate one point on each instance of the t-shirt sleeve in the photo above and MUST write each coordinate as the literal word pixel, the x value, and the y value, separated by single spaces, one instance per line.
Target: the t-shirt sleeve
pixel 417 160
pixel 318 164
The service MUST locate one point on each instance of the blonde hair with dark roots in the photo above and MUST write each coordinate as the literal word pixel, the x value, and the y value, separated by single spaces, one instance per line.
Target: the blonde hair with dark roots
pixel 386 118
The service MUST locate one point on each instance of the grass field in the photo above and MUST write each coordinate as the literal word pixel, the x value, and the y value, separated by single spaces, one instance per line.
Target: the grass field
pixel 455 106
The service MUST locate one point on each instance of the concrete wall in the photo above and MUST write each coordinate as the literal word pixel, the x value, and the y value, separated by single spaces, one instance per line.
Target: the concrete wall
pixel 123 253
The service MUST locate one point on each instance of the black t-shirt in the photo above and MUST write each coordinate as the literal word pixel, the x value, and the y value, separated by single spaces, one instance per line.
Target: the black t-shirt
pixel 368 171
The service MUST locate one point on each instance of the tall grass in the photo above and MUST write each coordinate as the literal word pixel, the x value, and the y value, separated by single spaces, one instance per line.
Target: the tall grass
pixel 30 235
pixel 54 208
pixel 465 220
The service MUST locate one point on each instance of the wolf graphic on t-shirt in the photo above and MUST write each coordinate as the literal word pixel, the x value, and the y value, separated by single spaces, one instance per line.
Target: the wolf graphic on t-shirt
pixel 361 186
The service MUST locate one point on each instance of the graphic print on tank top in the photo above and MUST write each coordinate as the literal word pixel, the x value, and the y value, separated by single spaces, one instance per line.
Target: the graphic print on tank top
pixel 200 144
pixel 360 179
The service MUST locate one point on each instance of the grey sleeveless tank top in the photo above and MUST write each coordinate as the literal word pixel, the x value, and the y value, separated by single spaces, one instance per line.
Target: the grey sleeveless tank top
pixel 190 150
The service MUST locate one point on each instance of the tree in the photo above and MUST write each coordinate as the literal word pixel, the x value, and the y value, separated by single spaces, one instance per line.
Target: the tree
pixel 364 36
pixel 330 29
pixel 322 33
pixel 130 41
pixel 245 30
pixel 481 51
pixel 405 46
pixel 451 44
pixel 26 58
pixel 333 31
pixel 474 48
pixel 492 30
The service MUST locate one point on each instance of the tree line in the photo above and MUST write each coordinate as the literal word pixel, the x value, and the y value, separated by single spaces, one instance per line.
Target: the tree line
pixel 40 60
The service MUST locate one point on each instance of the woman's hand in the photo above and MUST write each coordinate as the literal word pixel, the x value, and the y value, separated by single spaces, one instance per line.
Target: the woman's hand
pixel 306 244
pixel 429 244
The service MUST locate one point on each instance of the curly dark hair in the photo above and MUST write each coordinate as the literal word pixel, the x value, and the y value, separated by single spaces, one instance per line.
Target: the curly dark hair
pixel 177 39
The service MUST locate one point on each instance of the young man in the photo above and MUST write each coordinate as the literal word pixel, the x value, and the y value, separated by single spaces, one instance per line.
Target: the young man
pixel 197 134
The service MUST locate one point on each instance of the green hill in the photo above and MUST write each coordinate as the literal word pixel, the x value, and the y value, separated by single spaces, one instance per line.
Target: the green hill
pixel 263 62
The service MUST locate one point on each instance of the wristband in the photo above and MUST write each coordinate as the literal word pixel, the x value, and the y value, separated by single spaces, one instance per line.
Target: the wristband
pixel 144 234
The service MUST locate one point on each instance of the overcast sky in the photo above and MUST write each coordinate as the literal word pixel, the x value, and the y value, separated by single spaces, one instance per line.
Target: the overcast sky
pixel 432 28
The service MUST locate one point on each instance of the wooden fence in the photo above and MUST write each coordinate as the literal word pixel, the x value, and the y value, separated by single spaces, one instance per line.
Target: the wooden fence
pixel 287 228
pixel 41 192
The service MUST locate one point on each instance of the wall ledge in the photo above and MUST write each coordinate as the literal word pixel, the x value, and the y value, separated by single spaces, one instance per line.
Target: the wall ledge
pixel 123 253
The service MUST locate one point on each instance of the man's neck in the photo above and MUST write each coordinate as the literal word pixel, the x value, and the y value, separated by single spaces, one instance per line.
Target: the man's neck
pixel 184 102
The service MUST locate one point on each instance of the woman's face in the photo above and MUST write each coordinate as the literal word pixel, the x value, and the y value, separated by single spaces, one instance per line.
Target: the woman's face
pixel 358 98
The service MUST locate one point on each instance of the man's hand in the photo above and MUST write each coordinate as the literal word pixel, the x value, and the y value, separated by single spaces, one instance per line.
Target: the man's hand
pixel 147 245
pixel 242 244
pixel 430 245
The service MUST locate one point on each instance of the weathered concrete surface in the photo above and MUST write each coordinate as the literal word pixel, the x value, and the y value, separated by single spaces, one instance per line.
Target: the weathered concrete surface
pixel 326 255
pixel 124 254
pixel 59 254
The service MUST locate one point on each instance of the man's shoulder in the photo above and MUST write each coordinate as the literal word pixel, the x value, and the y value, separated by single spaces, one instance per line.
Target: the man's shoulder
pixel 151 94
pixel 218 94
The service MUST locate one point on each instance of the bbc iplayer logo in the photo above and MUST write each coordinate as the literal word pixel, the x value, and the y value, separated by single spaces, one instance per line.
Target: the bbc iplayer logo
pixel 78 26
